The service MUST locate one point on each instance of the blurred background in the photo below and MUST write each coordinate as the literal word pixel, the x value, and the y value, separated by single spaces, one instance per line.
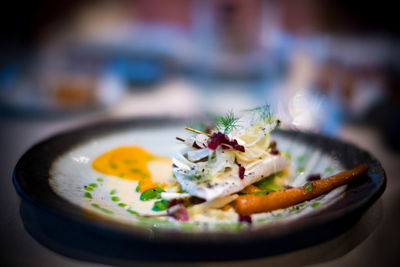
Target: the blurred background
pixel 328 66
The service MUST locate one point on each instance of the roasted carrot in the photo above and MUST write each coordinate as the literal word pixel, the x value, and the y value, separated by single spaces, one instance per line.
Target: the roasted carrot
pixel 249 204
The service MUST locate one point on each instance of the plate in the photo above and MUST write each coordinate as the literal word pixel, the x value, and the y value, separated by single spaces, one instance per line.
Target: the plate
pixel 94 232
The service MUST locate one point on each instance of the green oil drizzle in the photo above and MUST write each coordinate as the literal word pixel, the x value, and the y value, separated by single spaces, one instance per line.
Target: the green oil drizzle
pixel 233 227
pixel 315 205
pixel 128 161
pixel 286 154
pixel 96 206
pixel 264 220
pixel 301 159
pixel 302 205
pixel 153 222
pixel 132 212
pixel 301 169
pixel 189 227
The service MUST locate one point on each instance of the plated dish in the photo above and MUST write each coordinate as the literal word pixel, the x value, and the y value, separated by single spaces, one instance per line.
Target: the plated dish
pixel 88 175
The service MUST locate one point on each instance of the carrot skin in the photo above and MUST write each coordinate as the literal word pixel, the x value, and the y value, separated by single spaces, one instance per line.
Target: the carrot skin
pixel 249 204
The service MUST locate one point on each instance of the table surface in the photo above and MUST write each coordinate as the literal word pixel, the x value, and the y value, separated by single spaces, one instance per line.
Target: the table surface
pixel 374 241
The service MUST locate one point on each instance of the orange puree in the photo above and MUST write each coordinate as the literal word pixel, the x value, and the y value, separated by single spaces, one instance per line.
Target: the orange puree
pixel 128 163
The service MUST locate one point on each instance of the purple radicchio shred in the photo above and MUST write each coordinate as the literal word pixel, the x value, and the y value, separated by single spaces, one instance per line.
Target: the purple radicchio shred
pixel 274 151
pixel 179 213
pixel 219 138
pixel 241 172
pixel 196 146
pixel 313 177
pixel 175 202
pixel 245 218
pixel 177 210
pixel 272 144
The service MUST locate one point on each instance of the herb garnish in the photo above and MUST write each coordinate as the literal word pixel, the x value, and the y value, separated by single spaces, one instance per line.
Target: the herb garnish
pixel 154 193
pixel 308 187
pixel 139 185
pixel 268 184
pixel 264 112
pixel 160 205
pixel 227 123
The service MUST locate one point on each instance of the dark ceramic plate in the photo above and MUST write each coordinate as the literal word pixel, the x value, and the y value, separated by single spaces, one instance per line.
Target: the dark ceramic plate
pixel 47 216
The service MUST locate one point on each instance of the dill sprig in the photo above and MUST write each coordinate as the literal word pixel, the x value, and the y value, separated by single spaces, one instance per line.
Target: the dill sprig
pixel 264 112
pixel 227 123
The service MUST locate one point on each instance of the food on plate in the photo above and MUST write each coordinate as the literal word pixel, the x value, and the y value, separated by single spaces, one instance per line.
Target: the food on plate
pixel 226 166
pixel 135 163
pixel 249 204
pixel 234 173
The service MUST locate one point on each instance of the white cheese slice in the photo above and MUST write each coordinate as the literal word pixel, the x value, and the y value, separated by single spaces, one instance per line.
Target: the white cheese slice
pixel 219 187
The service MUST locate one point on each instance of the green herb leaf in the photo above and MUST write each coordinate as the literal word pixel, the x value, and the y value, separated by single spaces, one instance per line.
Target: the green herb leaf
pixel 160 205
pixel 115 199
pixel 93 185
pixel 268 184
pixel 278 216
pixel 88 195
pixel 88 188
pixel 122 205
pixel 329 170
pixel 154 193
pixel 100 180
pixel 308 187
pixel 113 192
pixel 139 185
